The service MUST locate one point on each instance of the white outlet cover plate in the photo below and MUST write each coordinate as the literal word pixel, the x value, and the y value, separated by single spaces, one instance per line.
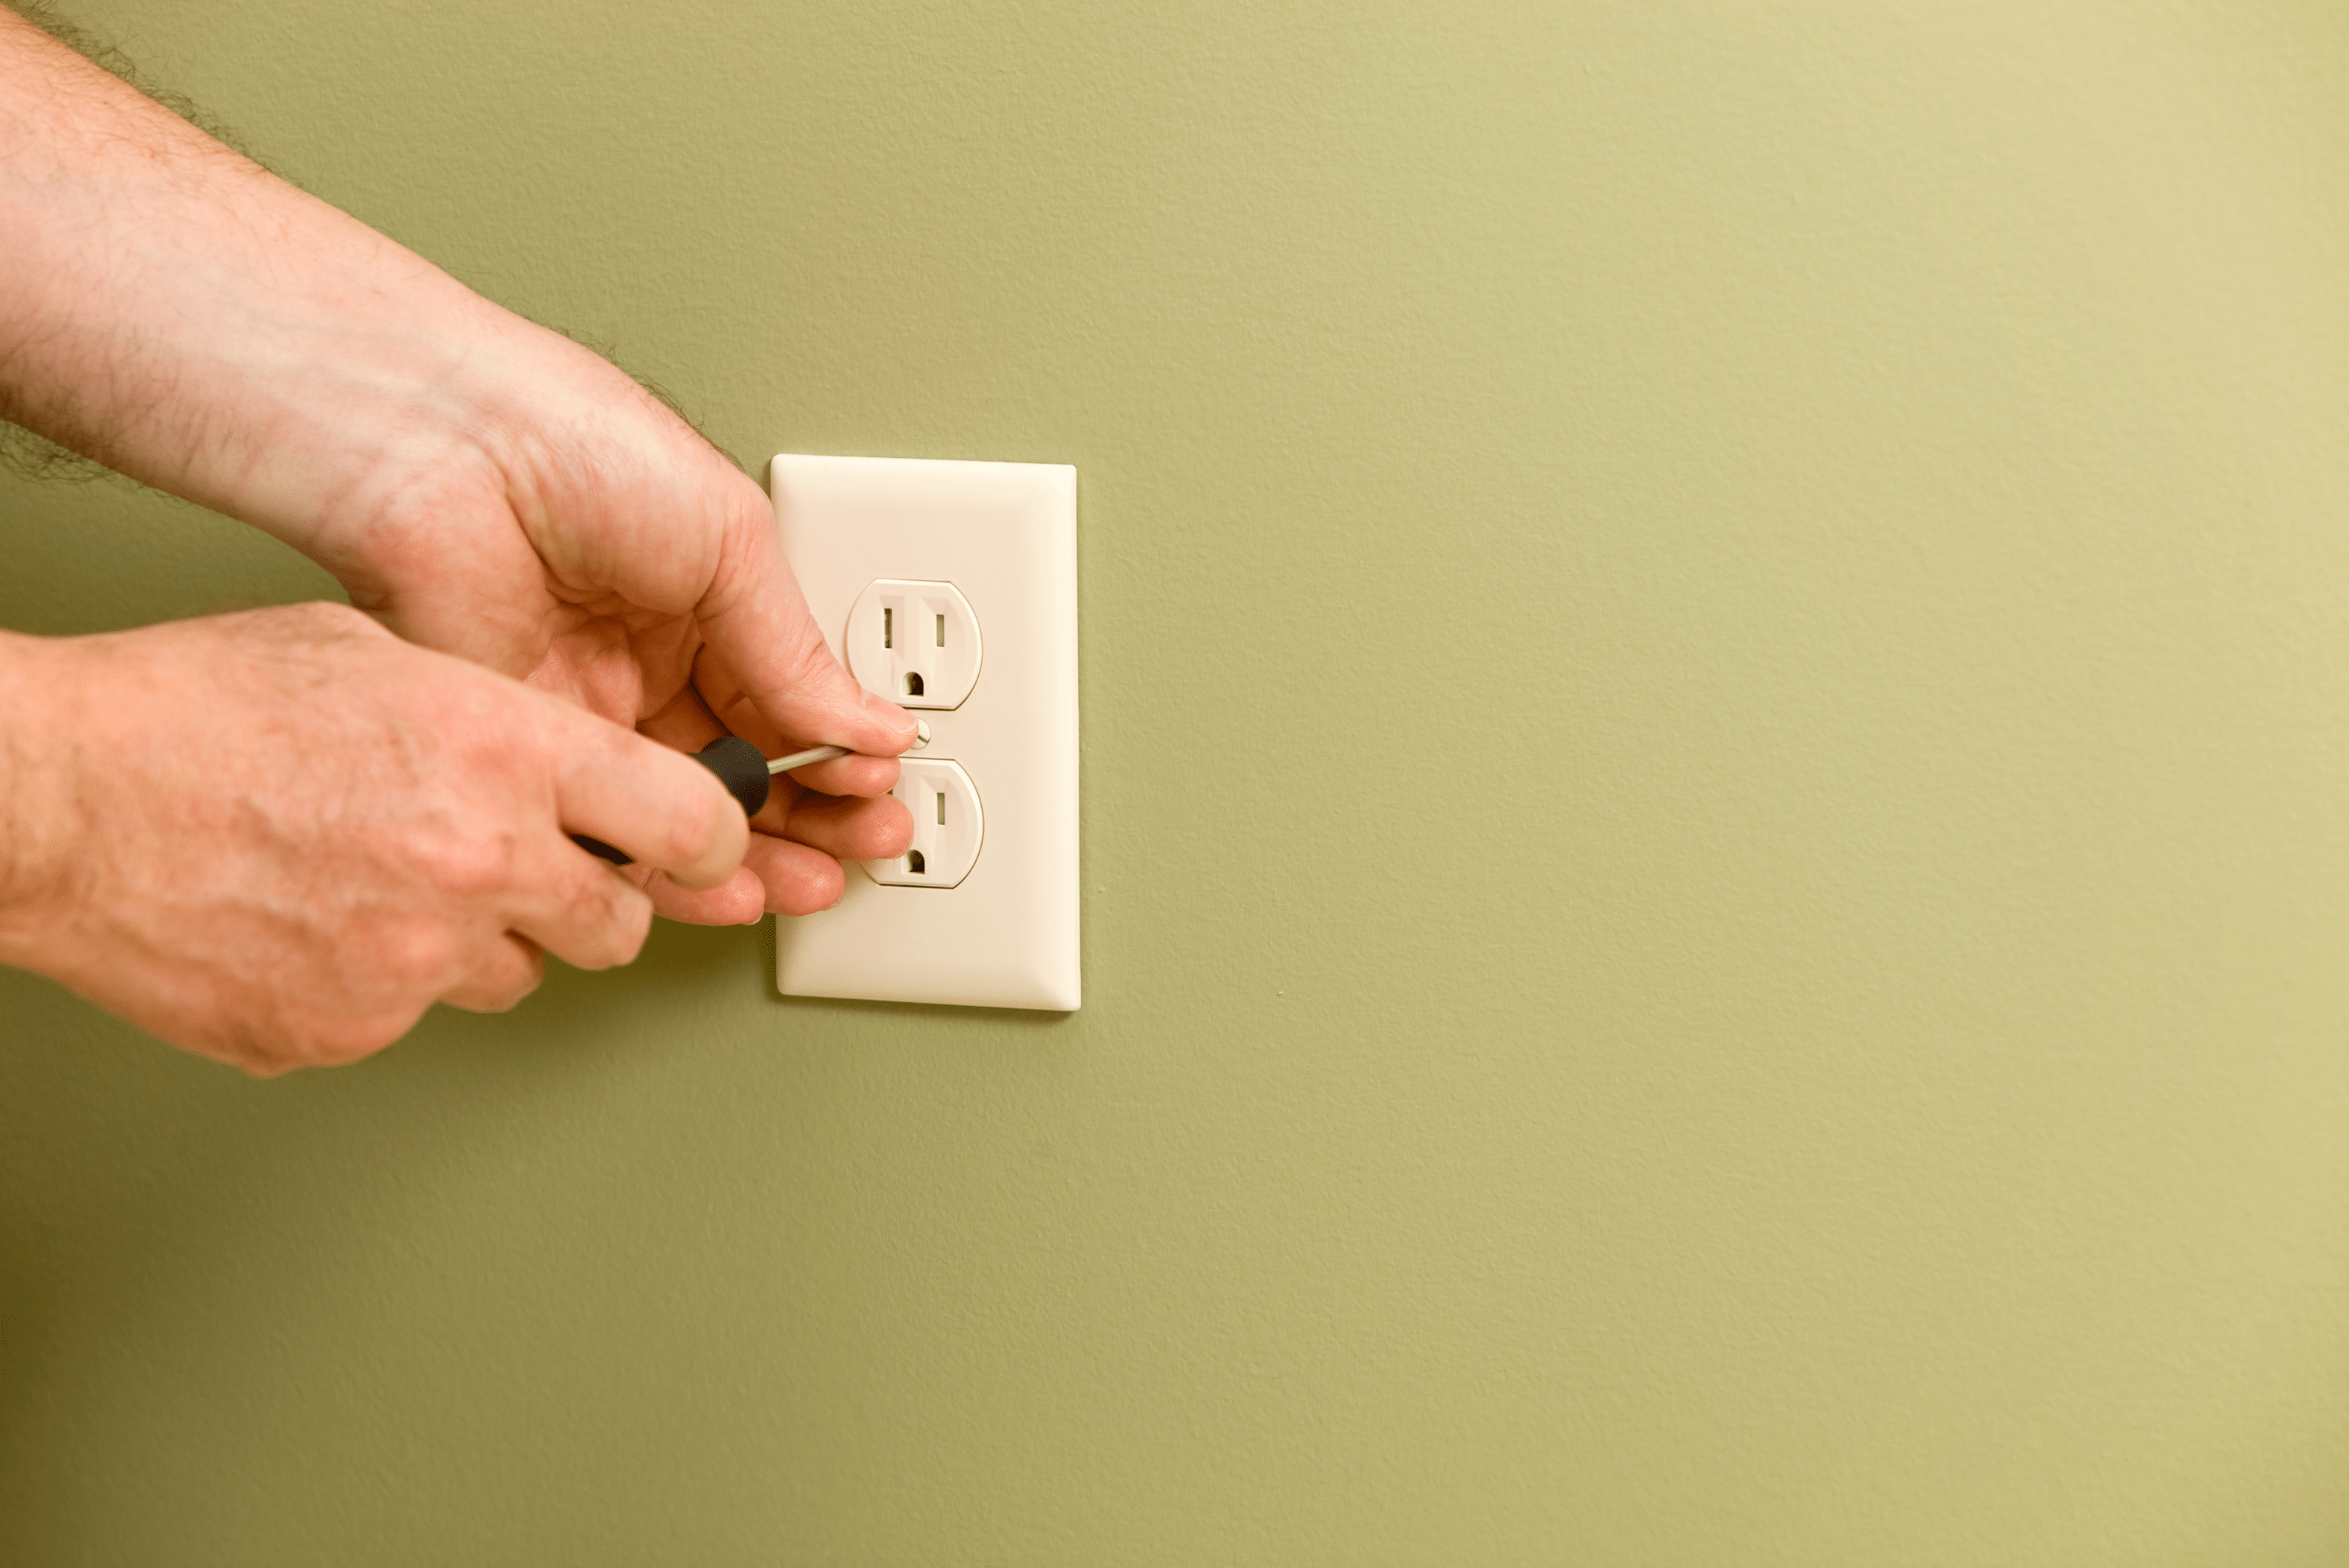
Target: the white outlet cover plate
pixel 1004 535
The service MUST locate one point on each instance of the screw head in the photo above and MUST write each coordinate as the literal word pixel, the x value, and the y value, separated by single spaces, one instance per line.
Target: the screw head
pixel 921 733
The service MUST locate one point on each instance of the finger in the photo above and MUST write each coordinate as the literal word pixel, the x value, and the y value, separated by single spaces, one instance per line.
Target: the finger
pixel 719 698
pixel 781 801
pixel 853 829
pixel 757 622
pixel 685 722
pixel 849 775
pixel 655 804
pixel 717 691
pixel 511 971
pixel 741 900
pixel 580 910
pixel 798 880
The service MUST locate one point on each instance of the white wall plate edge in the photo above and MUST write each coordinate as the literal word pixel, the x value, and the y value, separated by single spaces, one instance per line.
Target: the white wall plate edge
pixel 1004 535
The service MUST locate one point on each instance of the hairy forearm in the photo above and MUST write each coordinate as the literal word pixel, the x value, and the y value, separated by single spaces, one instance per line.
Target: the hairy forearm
pixel 174 310
pixel 480 485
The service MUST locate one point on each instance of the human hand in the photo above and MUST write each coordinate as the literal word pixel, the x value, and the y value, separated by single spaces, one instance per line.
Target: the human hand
pixel 480 485
pixel 276 837
pixel 596 547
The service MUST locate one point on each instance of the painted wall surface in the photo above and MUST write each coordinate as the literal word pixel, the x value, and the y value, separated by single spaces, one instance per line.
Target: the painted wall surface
pixel 1717 683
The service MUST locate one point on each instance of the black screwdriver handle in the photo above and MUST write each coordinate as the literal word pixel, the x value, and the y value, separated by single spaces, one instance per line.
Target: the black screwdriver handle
pixel 740 766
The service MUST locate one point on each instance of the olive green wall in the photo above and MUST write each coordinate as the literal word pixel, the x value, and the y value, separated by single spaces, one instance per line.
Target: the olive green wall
pixel 1717 683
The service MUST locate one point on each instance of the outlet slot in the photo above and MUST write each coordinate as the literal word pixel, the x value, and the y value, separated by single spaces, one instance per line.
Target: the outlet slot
pixel 914 862
pixel 938 673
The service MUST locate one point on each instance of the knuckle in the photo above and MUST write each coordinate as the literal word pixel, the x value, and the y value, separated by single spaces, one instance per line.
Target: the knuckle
pixel 501 992
pixel 693 823
pixel 882 831
pixel 629 932
pixel 341 1042
pixel 511 971
pixel 808 885
pixel 319 1039
pixel 410 956
pixel 808 663
pixel 256 1056
pixel 352 1001
pixel 468 865
pixel 604 919
pixel 530 972
pixel 517 991
pixel 626 928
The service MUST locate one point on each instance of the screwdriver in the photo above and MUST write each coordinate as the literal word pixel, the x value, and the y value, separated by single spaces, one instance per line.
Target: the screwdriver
pixel 744 770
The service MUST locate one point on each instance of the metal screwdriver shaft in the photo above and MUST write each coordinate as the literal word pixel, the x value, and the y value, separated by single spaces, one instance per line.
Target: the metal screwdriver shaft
pixel 801 759
pixel 826 753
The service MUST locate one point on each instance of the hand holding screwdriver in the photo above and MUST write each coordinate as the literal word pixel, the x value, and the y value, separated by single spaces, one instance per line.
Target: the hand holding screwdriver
pixel 744 771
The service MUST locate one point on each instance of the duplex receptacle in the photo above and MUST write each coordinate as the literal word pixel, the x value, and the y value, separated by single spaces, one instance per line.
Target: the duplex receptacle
pixel 944 922
pixel 915 643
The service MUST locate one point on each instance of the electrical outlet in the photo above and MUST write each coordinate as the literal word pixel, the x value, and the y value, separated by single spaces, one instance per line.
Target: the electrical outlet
pixel 898 559
pixel 916 643
pixel 949 826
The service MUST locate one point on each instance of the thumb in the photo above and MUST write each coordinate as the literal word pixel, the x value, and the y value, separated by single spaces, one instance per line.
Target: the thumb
pixel 757 621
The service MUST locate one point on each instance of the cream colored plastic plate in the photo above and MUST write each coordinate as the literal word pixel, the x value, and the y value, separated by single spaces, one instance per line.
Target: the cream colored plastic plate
pixel 1004 535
